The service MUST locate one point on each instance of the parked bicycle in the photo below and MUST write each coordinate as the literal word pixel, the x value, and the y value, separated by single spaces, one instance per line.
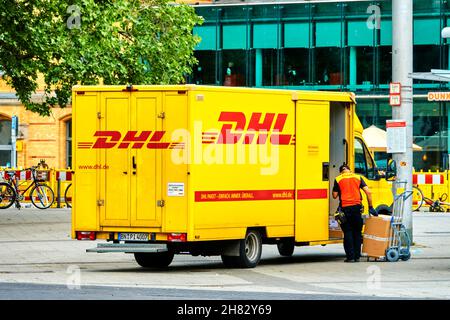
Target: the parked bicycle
pixel 438 205
pixel 41 195
pixel 68 196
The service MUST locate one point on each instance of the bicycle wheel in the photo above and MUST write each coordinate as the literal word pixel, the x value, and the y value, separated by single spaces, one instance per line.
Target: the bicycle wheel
pixel 42 196
pixel 68 196
pixel 7 195
pixel 417 200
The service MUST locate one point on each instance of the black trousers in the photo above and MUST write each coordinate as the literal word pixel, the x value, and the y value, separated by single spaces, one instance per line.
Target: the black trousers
pixel 352 229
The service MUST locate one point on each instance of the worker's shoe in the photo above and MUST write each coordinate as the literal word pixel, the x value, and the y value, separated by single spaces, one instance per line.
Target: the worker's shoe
pixel 357 260
pixel 349 260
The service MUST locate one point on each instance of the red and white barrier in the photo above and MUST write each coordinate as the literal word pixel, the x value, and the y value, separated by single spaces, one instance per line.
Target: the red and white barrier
pixel 64 175
pixel 428 178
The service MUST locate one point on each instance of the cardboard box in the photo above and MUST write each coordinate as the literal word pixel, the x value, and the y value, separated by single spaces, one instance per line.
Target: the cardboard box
pixel 377 233
pixel 334 229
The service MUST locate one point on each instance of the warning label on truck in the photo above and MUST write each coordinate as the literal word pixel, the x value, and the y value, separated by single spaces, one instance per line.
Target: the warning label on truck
pixel 175 189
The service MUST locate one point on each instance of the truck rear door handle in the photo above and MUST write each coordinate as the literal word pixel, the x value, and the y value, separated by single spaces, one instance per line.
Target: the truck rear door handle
pixel 134 163
pixel 125 172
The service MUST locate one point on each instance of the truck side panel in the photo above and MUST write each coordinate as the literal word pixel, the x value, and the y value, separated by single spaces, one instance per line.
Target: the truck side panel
pixel 242 163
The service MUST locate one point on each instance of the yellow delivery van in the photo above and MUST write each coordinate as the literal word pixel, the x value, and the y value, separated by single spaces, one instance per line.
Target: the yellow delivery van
pixel 203 170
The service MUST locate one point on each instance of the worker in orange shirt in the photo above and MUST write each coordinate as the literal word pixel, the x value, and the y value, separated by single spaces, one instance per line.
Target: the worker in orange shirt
pixel 346 187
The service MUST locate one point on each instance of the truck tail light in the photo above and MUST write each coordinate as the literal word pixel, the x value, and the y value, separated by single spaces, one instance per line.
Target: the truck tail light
pixel 86 235
pixel 176 237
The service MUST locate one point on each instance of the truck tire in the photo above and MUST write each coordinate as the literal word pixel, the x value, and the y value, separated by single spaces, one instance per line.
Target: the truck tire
pixel 154 259
pixel 384 209
pixel 250 250
pixel 286 247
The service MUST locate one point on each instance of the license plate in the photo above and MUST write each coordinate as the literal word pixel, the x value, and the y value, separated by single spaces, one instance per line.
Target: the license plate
pixel 133 236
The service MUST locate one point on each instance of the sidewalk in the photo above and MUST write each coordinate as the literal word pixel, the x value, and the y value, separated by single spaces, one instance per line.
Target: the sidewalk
pixel 35 247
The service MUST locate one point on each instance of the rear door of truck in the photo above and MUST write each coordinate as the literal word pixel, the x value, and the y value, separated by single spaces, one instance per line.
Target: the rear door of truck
pixel 130 153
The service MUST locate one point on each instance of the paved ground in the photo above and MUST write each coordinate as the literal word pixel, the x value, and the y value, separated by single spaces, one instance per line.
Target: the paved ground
pixel 39 260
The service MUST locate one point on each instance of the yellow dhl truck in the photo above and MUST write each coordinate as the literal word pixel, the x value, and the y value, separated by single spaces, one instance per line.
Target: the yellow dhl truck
pixel 203 170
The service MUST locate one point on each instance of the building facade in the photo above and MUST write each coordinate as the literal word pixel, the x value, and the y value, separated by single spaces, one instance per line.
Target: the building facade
pixel 305 45
pixel 329 45
pixel 37 138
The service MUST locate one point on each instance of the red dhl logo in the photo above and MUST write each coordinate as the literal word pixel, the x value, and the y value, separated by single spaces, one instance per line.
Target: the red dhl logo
pixel 238 129
pixel 110 139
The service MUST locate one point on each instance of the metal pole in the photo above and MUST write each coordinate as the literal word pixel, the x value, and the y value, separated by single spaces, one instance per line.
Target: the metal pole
pixel 59 193
pixel 402 65
pixel 14 126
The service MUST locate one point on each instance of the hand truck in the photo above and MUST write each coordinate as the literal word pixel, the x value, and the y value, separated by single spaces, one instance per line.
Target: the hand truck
pixel 400 241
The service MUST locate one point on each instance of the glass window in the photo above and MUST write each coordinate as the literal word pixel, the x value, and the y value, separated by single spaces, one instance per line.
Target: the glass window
pixel 296 66
pixel 430 131
pixel 208 13
pixel 381 160
pixel 238 13
pixel 384 112
pixel 264 12
pixel 328 66
pixel 296 11
pixel 363 161
pixel 233 62
pixel 204 72
pixel 269 67
pixel 5 132
pixel 364 65
pixel 385 63
pixel 370 164
pixel 5 158
pixel 425 58
pixel 360 159
pixel 427 6
pixel 366 112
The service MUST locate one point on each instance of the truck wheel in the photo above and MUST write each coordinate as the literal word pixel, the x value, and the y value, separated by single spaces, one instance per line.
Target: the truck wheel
pixel 286 248
pixel 384 209
pixel 154 259
pixel 250 250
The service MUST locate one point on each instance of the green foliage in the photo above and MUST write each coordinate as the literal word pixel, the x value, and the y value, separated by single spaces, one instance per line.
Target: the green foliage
pixel 87 41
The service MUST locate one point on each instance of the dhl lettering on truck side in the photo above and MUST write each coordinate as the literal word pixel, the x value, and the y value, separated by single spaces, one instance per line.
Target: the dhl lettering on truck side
pixel 259 129
pixel 238 129
pixel 247 195
pixel 110 139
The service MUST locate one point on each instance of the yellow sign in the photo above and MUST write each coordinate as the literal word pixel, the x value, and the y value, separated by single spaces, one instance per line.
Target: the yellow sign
pixel 438 96
pixel 19 146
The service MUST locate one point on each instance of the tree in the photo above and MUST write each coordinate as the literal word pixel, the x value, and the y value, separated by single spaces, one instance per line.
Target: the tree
pixel 87 41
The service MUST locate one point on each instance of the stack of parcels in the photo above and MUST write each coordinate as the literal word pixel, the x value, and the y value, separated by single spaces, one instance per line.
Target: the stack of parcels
pixel 335 231
pixel 377 233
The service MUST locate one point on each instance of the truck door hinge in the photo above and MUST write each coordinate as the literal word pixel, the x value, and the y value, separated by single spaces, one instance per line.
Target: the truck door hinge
pixel 100 203
pixel 162 115
pixel 160 203
pixel 99 115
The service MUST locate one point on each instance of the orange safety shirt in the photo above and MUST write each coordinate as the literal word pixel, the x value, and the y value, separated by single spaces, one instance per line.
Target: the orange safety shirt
pixel 347 185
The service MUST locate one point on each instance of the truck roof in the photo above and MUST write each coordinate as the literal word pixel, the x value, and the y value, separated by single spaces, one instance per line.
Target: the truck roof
pixel 295 94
